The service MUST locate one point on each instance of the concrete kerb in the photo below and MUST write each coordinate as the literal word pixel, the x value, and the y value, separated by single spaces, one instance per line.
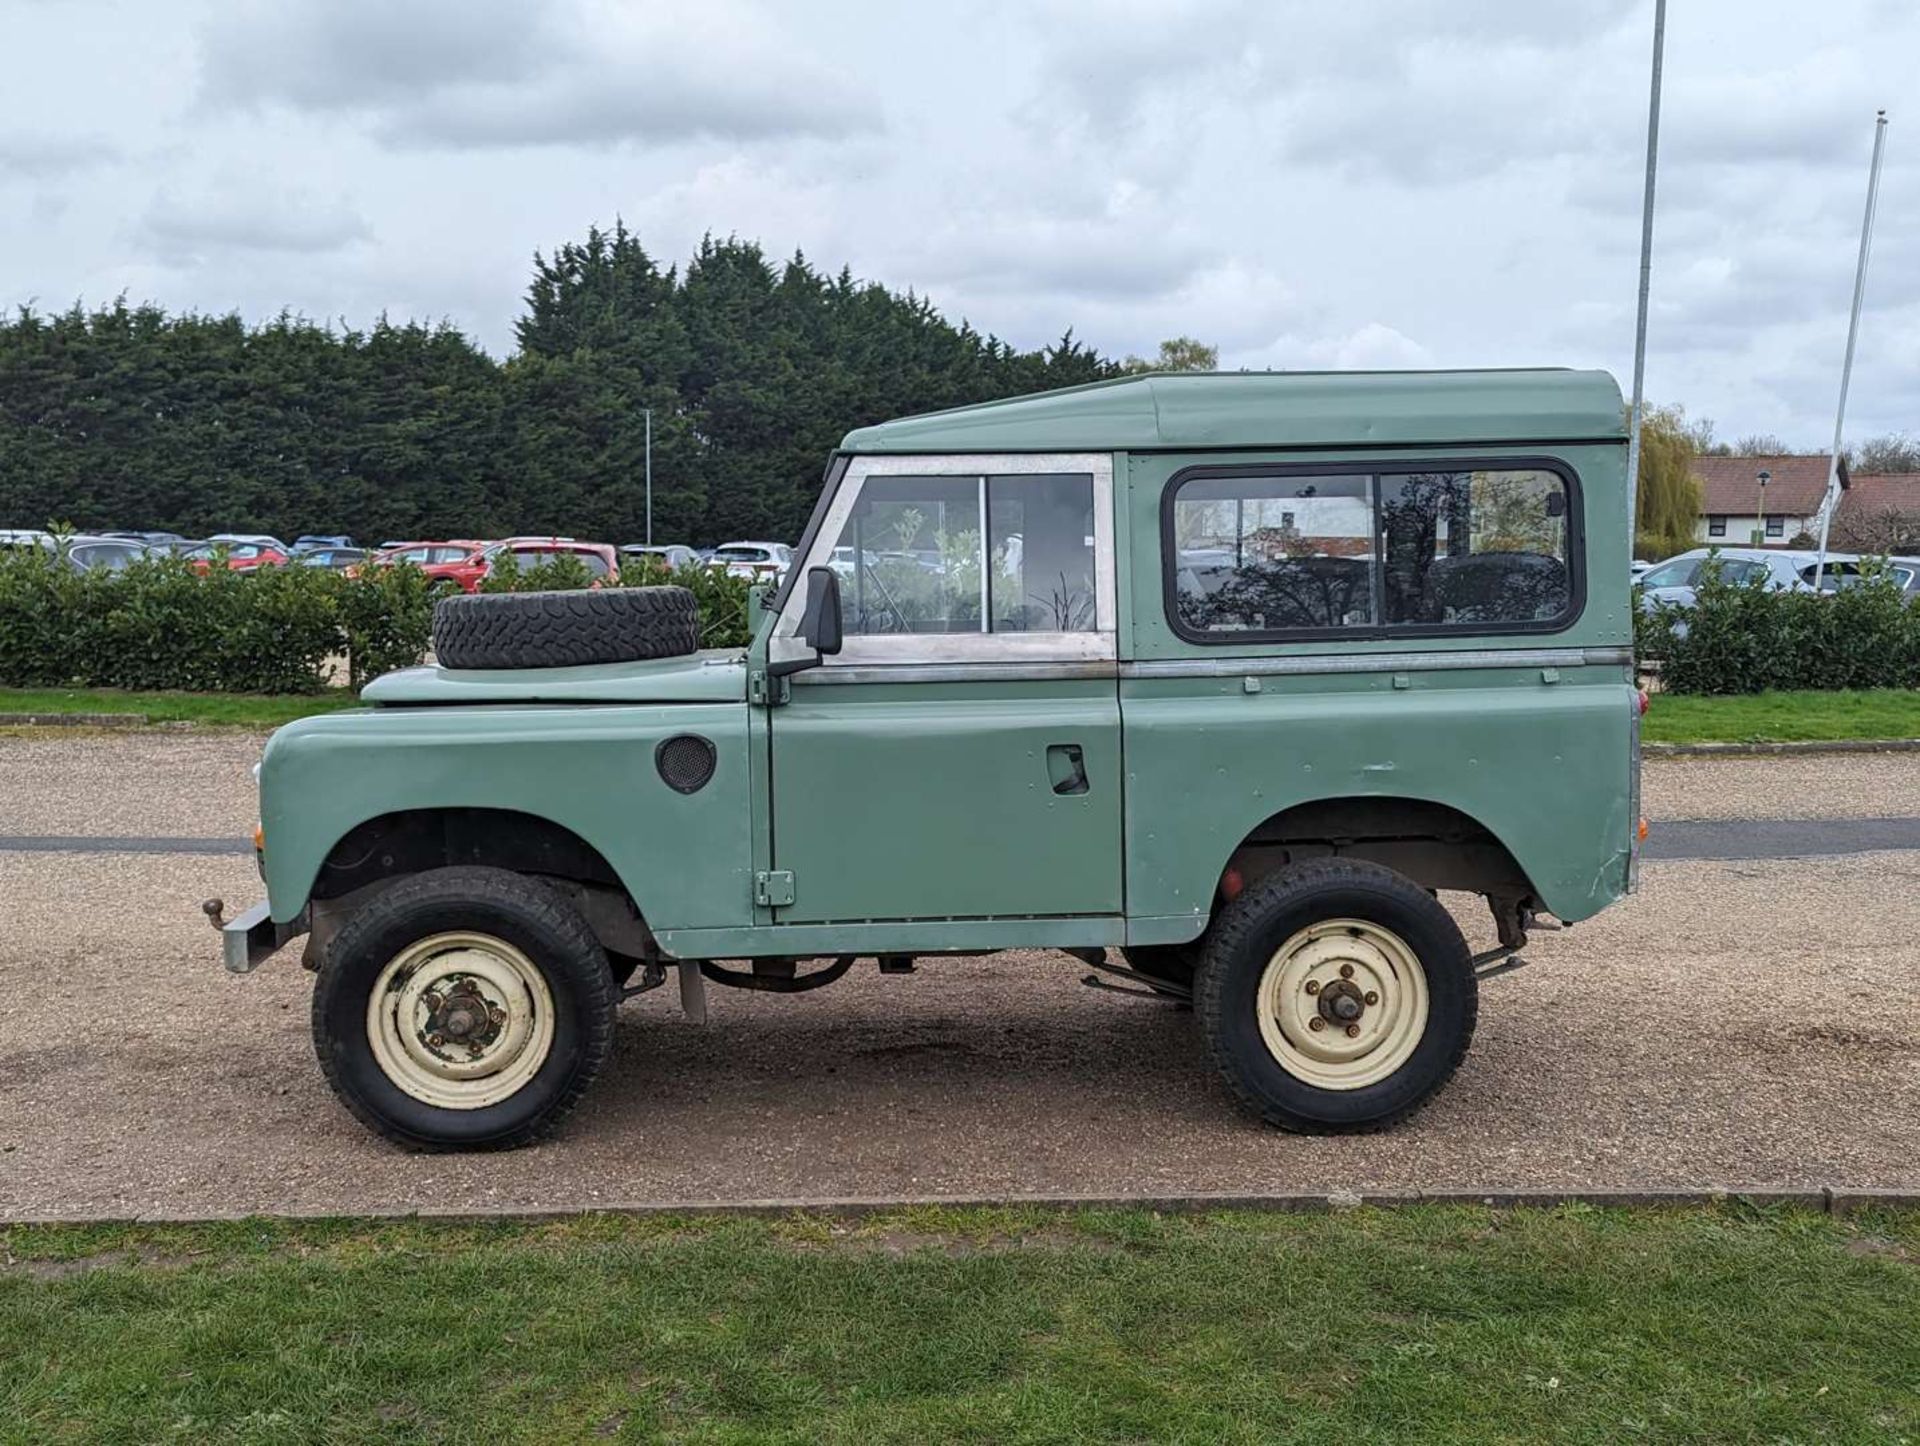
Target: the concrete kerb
pixel 73 720
pixel 1761 750
pixel 1828 1200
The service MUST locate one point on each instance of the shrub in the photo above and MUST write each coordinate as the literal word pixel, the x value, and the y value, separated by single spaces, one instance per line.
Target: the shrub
pixel 1748 637
pixel 161 625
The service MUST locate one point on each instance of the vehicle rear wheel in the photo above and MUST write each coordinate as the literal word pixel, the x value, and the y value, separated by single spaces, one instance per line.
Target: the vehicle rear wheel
pixel 464 1009
pixel 1336 996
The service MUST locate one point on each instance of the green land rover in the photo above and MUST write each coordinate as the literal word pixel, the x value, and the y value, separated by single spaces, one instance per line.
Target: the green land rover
pixel 1212 681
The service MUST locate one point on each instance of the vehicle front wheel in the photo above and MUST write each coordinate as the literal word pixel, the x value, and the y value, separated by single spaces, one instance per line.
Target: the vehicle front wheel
pixel 1335 996
pixel 464 1009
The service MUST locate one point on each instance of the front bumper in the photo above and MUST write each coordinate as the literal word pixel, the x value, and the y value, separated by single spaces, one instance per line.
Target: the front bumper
pixel 250 939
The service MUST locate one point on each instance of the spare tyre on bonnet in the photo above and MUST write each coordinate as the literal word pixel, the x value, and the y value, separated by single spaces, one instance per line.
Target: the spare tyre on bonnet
pixel 564 629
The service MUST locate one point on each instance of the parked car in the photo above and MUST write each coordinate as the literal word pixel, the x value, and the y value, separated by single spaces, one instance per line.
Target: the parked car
pixel 155 541
pixel 241 556
pixel 341 559
pixel 601 561
pixel 458 564
pixel 25 537
pixel 673 554
pixel 1787 569
pixel 89 551
pixel 309 541
pixel 764 561
pixel 1246 783
pixel 1639 568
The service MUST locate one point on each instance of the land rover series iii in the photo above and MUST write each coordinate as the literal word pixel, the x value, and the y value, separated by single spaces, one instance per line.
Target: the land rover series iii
pixel 1216 681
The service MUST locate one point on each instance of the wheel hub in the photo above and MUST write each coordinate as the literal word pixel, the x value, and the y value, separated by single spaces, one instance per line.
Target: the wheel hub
pixel 461 1020
pixel 1341 1002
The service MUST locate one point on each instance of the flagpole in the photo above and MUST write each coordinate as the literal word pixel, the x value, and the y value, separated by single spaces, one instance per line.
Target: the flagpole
pixel 1646 275
pixel 1831 501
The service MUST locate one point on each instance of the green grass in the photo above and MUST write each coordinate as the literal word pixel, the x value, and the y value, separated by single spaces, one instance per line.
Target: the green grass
pixel 1421 1324
pixel 237 710
pixel 1783 717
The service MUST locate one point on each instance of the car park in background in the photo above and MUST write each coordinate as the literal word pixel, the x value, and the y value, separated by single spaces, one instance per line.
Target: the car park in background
pixel 675 555
pixel 762 561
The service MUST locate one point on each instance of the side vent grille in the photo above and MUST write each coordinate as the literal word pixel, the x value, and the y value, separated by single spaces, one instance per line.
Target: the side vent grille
pixel 685 761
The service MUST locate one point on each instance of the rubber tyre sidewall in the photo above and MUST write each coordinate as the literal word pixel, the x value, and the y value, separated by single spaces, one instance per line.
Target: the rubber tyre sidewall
pixel 1226 996
pixel 370 941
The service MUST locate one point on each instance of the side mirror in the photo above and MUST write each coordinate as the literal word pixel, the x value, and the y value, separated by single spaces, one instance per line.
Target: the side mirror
pixel 820 623
pixel 820 627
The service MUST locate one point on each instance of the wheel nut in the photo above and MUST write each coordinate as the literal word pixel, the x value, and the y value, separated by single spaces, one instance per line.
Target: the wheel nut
pixel 1313 986
pixel 436 1040
pixel 1353 1031
pixel 1372 998
pixel 1316 1023
pixel 431 1000
pixel 1346 971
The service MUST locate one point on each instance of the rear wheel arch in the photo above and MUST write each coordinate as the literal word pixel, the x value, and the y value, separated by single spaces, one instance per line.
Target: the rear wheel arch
pixel 1435 844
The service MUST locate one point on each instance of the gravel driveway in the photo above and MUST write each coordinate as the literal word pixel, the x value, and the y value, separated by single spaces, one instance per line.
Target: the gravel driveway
pixel 1735 1024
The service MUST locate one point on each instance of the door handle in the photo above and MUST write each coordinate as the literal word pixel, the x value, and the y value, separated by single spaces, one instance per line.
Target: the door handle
pixel 1067 768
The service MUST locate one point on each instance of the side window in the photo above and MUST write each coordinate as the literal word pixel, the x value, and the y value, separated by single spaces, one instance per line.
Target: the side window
pixel 1475 548
pixel 1716 527
pixel 1271 554
pixel 959 554
pixel 1263 554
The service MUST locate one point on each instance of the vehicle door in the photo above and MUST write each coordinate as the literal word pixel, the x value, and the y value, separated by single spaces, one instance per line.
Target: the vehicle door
pixel 960 757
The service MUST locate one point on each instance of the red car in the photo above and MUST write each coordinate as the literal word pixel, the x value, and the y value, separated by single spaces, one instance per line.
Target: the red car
pixel 600 560
pixel 241 556
pixel 459 563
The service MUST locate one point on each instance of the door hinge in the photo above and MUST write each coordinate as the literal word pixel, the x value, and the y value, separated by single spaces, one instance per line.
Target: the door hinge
pixel 773 888
pixel 765 689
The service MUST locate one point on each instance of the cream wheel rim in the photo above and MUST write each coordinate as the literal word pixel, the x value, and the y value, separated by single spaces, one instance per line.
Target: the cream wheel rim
pixel 1343 1004
pixel 460 1021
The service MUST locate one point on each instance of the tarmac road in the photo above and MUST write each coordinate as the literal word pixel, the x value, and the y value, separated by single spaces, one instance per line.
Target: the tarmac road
pixel 1740 1022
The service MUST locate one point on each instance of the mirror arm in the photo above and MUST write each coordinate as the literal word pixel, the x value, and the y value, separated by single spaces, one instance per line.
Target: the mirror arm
pixel 786 667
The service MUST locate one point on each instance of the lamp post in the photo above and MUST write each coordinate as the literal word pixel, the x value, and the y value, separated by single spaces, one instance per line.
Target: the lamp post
pixel 649 414
pixel 1763 477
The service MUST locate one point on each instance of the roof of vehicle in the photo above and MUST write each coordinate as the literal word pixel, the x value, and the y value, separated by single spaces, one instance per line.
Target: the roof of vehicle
pixel 1799 556
pixel 1272 409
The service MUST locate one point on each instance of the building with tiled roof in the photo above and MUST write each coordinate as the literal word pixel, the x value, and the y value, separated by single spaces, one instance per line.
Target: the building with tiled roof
pixel 1880 512
pixel 1736 509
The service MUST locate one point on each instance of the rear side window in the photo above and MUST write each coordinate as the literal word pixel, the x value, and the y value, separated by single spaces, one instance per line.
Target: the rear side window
pixel 1286 553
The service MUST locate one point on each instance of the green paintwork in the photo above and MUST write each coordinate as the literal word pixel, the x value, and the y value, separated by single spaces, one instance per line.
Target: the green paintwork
pixel 934 800
pixel 714 676
pixel 686 858
pixel 1271 409
pixel 917 817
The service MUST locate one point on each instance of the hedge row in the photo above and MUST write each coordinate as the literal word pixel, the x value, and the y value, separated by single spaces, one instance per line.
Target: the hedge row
pixel 161 625
pixel 1747 638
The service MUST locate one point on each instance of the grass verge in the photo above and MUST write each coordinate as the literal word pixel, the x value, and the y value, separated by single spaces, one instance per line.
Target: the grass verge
pixel 1425 1323
pixel 234 710
pixel 1783 717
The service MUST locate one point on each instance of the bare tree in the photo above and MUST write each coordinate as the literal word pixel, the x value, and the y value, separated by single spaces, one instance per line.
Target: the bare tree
pixel 1177 354
pixel 1895 452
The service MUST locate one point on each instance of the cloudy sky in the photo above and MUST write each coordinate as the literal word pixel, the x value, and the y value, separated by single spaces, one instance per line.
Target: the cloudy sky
pixel 1343 183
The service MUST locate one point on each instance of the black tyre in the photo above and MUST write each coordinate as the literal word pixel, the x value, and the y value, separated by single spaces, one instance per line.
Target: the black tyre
pixel 464 1009
pixel 1335 996
pixel 562 629
pixel 1168 964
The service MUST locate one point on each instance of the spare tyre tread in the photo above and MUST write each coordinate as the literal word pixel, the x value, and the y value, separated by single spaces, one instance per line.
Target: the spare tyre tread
pixel 565 629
